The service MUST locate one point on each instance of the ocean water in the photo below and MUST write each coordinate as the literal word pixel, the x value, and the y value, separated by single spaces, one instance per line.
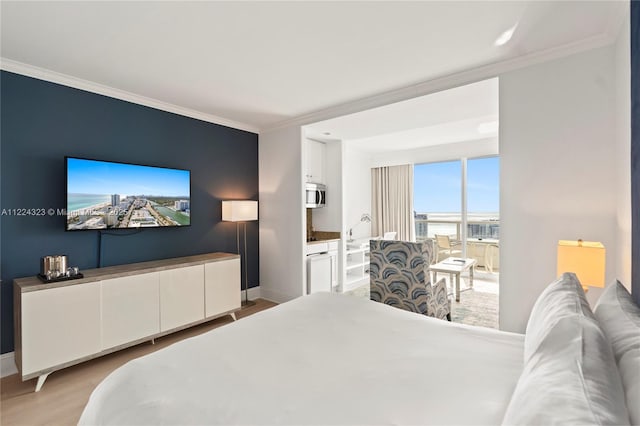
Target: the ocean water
pixel 82 201
pixel 442 229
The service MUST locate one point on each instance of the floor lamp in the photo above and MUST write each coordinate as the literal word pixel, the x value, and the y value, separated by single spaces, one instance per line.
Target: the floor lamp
pixel 241 211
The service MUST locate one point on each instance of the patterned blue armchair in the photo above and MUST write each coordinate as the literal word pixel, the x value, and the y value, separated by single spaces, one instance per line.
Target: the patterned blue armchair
pixel 399 277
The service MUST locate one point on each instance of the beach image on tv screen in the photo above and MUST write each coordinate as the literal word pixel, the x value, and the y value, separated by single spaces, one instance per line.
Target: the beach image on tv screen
pixel 105 195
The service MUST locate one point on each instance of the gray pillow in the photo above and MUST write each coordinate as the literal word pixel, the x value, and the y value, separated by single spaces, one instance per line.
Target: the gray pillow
pixel 619 318
pixel 562 297
pixel 570 379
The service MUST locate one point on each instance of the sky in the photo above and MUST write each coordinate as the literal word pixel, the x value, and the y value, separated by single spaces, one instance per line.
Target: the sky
pixel 100 177
pixel 437 186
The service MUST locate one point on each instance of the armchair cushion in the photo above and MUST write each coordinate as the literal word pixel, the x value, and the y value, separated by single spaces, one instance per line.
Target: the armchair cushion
pixel 439 304
pixel 398 278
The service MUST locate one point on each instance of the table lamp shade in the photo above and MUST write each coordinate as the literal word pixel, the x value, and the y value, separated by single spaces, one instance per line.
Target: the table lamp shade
pixel 239 210
pixel 584 258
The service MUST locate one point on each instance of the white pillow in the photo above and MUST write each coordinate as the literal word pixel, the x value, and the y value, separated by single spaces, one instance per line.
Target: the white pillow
pixel 570 379
pixel 562 297
pixel 619 318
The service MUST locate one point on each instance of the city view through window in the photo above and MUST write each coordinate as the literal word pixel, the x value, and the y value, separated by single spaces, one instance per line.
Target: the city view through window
pixel 438 193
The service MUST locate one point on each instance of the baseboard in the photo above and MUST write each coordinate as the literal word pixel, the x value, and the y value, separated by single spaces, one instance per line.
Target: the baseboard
pixel 274 296
pixel 253 293
pixel 8 364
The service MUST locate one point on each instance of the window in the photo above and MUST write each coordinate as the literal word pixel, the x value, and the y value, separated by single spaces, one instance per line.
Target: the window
pixel 437 199
pixel 483 198
pixel 438 195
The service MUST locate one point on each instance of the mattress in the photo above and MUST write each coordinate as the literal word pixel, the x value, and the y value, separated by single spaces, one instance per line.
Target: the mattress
pixel 321 359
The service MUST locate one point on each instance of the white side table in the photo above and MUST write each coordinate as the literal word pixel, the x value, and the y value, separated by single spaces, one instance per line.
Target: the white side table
pixel 454 266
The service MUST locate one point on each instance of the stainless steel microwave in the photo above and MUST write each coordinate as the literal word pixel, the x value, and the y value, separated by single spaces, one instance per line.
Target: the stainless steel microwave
pixel 315 195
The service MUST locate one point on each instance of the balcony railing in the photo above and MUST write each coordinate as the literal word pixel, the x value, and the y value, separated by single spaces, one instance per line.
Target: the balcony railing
pixel 428 228
pixel 483 238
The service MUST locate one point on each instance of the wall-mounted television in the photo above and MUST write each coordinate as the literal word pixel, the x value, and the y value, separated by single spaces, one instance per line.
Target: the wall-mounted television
pixel 108 195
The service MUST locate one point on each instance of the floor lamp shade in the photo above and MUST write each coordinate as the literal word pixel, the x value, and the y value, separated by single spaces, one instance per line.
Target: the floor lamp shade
pixel 584 258
pixel 239 210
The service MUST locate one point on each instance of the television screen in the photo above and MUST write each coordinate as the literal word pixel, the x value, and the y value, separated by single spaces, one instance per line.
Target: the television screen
pixel 108 195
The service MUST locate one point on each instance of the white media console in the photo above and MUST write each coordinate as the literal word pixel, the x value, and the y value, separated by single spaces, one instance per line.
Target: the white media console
pixel 64 323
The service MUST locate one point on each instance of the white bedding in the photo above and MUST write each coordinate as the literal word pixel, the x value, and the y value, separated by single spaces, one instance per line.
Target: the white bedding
pixel 321 359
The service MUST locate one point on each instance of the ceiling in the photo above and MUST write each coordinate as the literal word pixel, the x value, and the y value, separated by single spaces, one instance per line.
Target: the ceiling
pixel 464 113
pixel 262 63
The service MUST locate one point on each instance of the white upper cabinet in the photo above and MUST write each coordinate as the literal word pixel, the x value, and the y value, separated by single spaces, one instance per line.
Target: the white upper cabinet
pixel 316 158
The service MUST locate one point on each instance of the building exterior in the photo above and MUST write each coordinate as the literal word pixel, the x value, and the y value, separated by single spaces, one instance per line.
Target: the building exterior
pixel 182 205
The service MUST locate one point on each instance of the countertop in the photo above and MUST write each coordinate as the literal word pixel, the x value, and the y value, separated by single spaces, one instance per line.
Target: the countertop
pixel 322 241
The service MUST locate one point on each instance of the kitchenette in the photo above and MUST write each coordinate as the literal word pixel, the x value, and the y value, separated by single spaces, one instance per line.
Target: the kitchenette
pixel 322 204
pixel 337 224
pixel 323 248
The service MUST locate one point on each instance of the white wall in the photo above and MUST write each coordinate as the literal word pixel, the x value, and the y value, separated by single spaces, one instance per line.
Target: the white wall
pixel 622 263
pixel 282 241
pixel 558 175
pixel 558 172
pixel 357 190
pixel 431 154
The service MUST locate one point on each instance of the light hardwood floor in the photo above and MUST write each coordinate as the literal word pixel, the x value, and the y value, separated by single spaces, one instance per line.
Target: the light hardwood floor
pixel 66 392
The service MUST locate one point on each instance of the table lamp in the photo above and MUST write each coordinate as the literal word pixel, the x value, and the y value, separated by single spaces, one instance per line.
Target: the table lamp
pixel 365 218
pixel 584 258
pixel 241 211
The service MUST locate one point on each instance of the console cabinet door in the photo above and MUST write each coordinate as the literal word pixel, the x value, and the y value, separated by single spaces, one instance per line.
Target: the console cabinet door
pixel 181 296
pixel 130 309
pixel 59 325
pixel 222 286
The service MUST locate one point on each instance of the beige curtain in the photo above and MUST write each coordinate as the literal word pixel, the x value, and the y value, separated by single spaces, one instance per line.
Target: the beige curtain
pixel 392 201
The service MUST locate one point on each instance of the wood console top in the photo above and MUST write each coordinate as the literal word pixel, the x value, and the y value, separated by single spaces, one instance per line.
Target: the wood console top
pixel 91 275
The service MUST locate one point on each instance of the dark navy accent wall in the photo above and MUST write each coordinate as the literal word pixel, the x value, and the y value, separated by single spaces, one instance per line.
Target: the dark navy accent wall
pixel 42 122
pixel 635 150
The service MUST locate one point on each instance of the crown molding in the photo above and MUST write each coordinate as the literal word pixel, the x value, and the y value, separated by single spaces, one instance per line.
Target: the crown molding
pixel 89 86
pixel 420 89
pixel 449 81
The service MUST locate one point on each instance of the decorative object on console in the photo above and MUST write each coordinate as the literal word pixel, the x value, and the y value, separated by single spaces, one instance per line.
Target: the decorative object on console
pixel 584 258
pixel 241 211
pixel 54 268
pixel 365 218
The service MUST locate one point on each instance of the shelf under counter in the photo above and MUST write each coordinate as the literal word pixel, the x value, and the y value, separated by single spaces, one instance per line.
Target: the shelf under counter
pixel 356 266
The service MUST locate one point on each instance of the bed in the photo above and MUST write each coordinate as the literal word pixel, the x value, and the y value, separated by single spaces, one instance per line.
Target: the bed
pixel 322 359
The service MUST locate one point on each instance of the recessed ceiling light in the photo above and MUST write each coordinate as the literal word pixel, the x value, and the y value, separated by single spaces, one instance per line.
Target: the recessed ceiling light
pixel 488 127
pixel 505 36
